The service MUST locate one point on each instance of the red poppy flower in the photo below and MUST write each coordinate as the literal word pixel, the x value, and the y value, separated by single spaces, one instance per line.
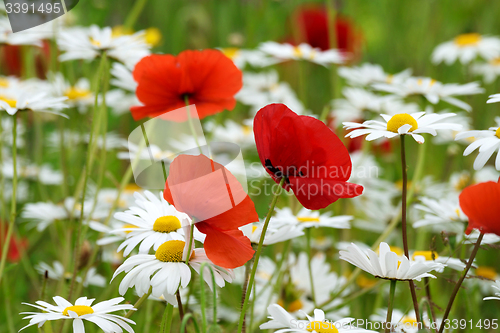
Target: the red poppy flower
pixel 15 247
pixel 312 22
pixel 313 160
pixel 207 78
pixel 480 203
pixel 213 197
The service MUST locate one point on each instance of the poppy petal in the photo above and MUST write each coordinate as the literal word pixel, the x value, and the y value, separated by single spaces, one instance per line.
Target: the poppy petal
pixel 228 249
pixel 480 203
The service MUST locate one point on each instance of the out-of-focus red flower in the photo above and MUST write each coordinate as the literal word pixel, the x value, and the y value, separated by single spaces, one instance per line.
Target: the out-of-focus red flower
pixel 480 203
pixel 11 59
pixel 15 247
pixel 313 160
pixel 312 22
pixel 207 78
pixel 213 197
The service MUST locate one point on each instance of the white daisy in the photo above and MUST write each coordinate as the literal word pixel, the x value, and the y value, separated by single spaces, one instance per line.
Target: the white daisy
pixel 441 214
pixel 355 103
pixel 402 322
pixel 89 43
pixel 273 234
pixel 307 218
pixel 14 100
pixel 432 90
pixel 78 95
pixel 285 51
pixel 151 224
pixel 489 70
pixel 166 270
pixel 42 214
pixel 99 314
pixel 387 264
pixel 432 256
pixel 57 272
pixel 496 286
pixel 466 48
pixel 495 98
pixel 283 321
pixel 261 89
pixel 18 38
pixel 254 58
pixel 231 131
pixel 367 74
pixel 488 143
pixel 402 124
pixel 122 77
pixel 120 101
pixel 72 138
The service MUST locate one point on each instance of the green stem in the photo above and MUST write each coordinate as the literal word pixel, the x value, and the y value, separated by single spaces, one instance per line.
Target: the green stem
pixel 404 202
pixel 390 307
pixel 10 230
pixel 166 321
pixel 459 283
pixel 139 302
pixel 257 254
pixel 191 125
pixel 134 13
pixel 245 290
pixel 86 171
pixel 309 264
pixel 185 321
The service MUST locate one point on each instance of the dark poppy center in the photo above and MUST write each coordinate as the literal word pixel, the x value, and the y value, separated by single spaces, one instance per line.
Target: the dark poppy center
pixel 291 171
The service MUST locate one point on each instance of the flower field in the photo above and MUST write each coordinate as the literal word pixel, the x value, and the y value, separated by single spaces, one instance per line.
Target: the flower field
pixel 250 166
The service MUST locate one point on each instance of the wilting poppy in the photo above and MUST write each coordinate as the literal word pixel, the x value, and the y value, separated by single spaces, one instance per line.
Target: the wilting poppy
pixel 206 78
pixel 313 160
pixel 480 203
pixel 218 204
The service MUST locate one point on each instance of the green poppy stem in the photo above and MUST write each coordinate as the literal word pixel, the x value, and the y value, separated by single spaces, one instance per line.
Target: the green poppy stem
pixel 403 222
pixel 10 230
pixel 257 255
pixel 459 283
pixel 390 306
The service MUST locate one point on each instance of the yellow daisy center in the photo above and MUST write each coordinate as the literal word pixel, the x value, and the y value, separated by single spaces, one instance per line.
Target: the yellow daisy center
pixel 170 251
pixel 409 320
pixel 80 310
pixel 293 306
pixel 152 36
pixel 95 42
pixel 254 228
pixel 230 52
pixel 399 120
pixel 12 102
pixel 4 83
pixel 131 188
pixel 463 182
pixel 497 132
pixel 365 282
pixel 167 224
pixel 297 52
pixel 247 130
pixel 495 61
pixel 429 255
pixel 74 93
pixel 467 39
pixel 128 226
pixel 120 30
pixel 486 272
pixel 307 219
pixel 321 327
